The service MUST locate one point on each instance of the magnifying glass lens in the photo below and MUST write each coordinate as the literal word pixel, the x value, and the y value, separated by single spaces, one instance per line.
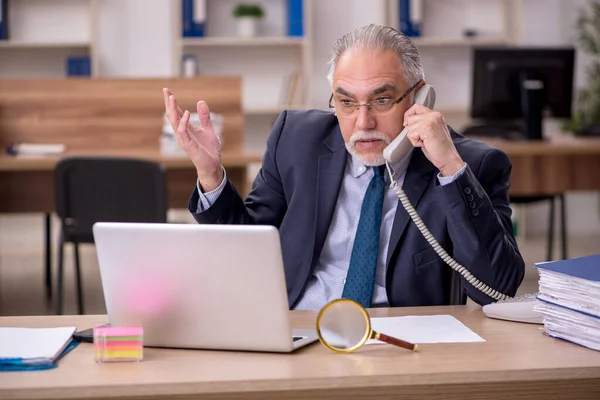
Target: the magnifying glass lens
pixel 343 326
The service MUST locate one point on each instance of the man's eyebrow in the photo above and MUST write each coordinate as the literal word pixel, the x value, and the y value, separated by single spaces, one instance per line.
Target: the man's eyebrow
pixel 384 88
pixel 343 92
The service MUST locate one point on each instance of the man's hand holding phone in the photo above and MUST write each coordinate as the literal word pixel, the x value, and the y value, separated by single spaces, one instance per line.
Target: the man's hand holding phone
pixel 427 129
pixel 201 144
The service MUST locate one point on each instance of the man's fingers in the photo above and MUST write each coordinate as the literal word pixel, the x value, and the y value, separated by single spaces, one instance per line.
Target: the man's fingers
pixel 413 119
pixel 416 109
pixel 172 113
pixel 168 107
pixel 175 107
pixel 204 115
pixel 414 134
pixel 166 94
pixel 182 130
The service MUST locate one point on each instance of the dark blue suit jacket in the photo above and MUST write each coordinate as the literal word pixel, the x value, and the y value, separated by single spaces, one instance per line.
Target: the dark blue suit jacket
pixel 297 188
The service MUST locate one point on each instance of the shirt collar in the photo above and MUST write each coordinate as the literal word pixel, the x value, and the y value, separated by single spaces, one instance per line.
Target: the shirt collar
pixel 357 168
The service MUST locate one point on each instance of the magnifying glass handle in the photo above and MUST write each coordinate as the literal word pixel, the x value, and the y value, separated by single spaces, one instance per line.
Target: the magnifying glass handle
pixel 396 342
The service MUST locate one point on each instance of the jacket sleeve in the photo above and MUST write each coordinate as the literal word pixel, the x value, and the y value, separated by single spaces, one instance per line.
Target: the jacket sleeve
pixel 265 205
pixel 480 227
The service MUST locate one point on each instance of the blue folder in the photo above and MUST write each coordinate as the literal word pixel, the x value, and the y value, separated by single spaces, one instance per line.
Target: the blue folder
pixel 3 19
pixel 407 25
pixel 17 364
pixel 191 26
pixel 79 66
pixel 587 267
pixel 295 18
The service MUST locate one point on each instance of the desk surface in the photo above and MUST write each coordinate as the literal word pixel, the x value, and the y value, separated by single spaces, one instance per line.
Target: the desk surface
pixel 561 145
pixel 515 361
pixel 47 163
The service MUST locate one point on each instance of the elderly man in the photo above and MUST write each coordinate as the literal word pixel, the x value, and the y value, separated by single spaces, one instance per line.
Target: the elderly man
pixel 323 184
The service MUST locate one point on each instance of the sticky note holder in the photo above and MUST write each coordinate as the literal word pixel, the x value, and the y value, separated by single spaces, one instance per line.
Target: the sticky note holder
pixel 114 344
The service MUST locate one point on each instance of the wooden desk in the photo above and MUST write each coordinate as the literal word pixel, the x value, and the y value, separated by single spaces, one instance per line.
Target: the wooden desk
pixel 28 182
pixel 552 167
pixel 516 361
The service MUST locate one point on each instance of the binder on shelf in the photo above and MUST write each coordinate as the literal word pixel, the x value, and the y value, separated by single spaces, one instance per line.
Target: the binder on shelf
pixel 3 19
pixel 411 17
pixel 295 17
pixel 79 66
pixel 194 18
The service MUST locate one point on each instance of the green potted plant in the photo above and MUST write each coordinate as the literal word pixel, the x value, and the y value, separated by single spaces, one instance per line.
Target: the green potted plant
pixel 586 116
pixel 248 16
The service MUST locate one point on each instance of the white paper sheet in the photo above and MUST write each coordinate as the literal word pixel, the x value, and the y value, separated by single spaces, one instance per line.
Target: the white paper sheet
pixel 424 329
pixel 34 343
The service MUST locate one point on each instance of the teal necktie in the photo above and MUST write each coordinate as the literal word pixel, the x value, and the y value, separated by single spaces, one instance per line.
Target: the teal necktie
pixel 363 261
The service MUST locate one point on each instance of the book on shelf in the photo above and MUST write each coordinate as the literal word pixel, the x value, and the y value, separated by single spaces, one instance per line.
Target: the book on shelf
pixel 569 294
pixel 193 18
pixel 411 16
pixel 295 18
pixel 3 19
pixel 79 66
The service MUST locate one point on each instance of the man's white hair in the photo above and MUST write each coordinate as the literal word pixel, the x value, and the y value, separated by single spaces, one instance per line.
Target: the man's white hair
pixel 380 38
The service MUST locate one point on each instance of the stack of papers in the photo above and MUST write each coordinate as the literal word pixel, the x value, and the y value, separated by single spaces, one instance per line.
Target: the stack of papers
pixel 570 299
pixel 36 149
pixel 34 348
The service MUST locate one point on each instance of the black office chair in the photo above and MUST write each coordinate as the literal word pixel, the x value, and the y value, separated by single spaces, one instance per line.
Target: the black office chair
pixel 94 189
pixel 563 220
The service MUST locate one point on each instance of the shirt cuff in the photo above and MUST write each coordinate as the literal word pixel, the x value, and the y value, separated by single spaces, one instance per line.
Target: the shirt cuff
pixel 206 200
pixel 444 180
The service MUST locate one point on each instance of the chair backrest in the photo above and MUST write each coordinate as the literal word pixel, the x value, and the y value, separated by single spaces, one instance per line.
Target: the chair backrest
pixel 107 189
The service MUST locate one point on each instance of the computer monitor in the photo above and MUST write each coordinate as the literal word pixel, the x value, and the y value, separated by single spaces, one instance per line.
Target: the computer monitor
pixel 522 83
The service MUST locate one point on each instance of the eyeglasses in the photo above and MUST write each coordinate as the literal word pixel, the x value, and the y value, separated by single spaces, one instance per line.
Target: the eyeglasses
pixel 379 106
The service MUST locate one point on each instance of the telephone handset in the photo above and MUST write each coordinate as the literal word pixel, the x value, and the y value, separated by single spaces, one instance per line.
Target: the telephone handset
pixel 393 153
pixel 400 146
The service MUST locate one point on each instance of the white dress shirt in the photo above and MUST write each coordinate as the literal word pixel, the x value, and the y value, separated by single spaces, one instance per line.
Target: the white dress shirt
pixel 328 277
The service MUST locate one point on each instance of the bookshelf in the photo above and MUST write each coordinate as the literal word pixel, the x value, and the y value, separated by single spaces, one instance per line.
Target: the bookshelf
pixel 241 42
pixel 266 62
pixel 15 44
pixel 459 42
pixel 38 46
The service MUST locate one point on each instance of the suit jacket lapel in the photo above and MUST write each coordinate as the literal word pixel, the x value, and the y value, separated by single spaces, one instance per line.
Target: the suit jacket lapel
pixel 331 166
pixel 417 179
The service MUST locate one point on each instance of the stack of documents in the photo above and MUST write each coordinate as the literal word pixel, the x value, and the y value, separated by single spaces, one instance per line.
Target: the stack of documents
pixel 570 299
pixel 34 348
pixel 35 149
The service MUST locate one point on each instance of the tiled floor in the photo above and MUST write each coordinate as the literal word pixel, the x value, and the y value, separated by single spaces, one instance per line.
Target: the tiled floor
pixel 21 266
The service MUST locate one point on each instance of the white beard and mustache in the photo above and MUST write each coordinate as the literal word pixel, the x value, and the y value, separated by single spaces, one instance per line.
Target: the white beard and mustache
pixel 370 160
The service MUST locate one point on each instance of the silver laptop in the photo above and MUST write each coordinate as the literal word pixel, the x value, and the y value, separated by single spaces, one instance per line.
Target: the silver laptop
pixel 198 286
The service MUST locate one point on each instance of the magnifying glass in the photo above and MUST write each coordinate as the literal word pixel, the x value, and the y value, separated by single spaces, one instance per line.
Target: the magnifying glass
pixel 343 326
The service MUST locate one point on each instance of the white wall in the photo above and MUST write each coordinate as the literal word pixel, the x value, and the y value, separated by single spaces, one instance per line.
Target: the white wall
pixel 135 38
